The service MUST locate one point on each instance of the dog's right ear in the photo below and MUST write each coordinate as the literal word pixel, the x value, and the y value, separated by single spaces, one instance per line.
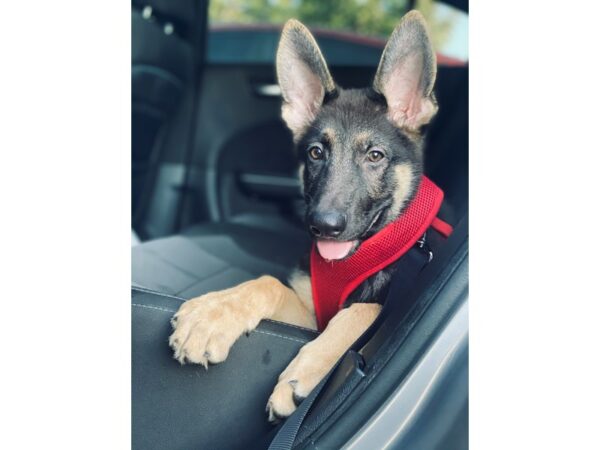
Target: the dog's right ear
pixel 303 76
pixel 406 74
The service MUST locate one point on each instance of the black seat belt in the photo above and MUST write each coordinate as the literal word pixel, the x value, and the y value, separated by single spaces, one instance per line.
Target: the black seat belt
pixel 284 440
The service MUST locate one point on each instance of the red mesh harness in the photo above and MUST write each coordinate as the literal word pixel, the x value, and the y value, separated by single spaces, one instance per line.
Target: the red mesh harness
pixel 333 281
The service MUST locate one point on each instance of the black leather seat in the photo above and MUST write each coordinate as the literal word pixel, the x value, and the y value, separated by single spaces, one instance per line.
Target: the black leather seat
pixel 216 256
pixel 187 407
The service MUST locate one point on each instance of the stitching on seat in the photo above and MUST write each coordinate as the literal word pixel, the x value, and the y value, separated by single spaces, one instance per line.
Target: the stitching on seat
pixel 152 291
pixel 253 331
pixel 153 307
pixel 279 335
pixel 181 299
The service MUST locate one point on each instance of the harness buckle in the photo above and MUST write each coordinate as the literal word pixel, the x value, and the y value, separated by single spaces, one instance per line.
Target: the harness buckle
pixel 422 243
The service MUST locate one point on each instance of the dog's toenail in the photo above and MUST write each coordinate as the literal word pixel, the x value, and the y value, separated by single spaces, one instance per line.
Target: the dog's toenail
pixel 276 417
pixel 297 399
pixel 293 383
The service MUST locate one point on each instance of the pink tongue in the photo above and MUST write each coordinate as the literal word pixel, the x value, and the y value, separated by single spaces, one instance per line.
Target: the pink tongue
pixel 334 249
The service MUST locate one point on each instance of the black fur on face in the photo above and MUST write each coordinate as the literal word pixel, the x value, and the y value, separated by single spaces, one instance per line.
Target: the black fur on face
pixel 360 149
pixel 371 193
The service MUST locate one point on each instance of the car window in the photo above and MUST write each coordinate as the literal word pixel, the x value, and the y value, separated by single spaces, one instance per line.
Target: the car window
pixel 449 30
pixel 349 32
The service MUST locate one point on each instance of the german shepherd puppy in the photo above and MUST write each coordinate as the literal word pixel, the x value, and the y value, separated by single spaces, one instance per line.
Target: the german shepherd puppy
pixel 361 158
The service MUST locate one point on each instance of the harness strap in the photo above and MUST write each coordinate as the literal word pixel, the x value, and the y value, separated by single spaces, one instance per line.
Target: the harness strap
pixel 444 228
pixel 333 281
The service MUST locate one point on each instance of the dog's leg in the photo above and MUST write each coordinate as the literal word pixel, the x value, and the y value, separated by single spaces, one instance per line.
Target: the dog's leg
pixel 317 357
pixel 206 327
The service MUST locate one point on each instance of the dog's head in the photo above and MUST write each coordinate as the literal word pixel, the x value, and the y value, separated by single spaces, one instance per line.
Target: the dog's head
pixel 360 150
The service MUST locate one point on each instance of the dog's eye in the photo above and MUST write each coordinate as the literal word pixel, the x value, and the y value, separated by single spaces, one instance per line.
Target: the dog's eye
pixel 315 152
pixel 375 155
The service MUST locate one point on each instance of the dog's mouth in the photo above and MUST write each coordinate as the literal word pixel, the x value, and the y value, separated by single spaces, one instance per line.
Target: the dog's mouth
pixel 337 250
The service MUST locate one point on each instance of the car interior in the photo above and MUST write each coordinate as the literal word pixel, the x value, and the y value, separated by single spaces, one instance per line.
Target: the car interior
pixel 216 201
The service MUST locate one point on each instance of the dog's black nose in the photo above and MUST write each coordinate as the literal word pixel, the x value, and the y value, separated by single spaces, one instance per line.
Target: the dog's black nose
pixel 326 224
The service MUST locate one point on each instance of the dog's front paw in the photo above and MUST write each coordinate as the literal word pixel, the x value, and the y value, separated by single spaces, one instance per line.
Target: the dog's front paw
pixel 206 327
pixel 316 358
pixel 300 377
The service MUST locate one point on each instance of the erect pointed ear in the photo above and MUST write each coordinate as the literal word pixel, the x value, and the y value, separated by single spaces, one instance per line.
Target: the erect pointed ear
pixel 406 74
pixel 303 76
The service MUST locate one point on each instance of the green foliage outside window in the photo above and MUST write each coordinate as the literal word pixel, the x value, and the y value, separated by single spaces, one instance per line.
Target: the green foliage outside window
pixel 366 17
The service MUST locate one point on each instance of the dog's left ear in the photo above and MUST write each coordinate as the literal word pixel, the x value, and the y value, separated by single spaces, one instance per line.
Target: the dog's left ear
pixel 303 76
pixel 406 74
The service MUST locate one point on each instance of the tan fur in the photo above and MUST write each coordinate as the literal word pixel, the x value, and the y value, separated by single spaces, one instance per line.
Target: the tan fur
pixel 330 135
pixel 317 358
pixel 206 327
pixel 404 177
pixel 362 138
pixel 302 286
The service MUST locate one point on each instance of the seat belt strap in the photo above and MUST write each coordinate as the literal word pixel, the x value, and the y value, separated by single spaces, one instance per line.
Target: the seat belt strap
pixel 285 437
